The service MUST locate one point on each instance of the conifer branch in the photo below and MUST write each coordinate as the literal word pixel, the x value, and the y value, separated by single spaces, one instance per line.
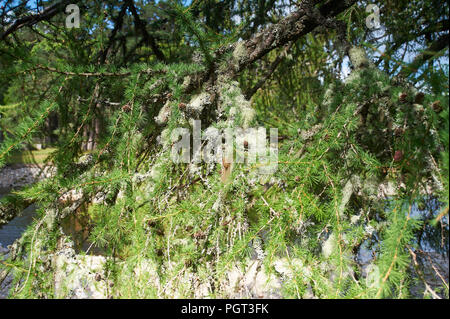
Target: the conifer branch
pixel 118 23
pixel 31 20
pixel 440 44
pixel 148 38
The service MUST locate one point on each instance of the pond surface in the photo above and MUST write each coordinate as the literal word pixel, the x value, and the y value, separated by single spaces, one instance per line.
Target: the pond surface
pixel 16 227
pixel 75 226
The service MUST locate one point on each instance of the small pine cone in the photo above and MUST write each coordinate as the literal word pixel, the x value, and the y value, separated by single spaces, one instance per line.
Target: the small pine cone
pixel 436 106
pixel 398 156
pixel 419 98
pixel 402 97
pixel 182 106
pixel 399 131
pixel 126 108
pixel 151 223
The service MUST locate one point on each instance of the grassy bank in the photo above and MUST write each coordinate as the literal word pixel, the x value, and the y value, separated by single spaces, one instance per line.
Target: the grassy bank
pixel 30 157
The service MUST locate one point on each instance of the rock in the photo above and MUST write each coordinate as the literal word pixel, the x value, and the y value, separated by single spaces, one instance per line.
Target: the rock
pixel 3 251
pixel 267 285
pixel 256 282
pixel 250 275
pixel 6 279
pixel 18 176
pixel 78 276
pixel 234 279
pixel 287 268
pixel 149 270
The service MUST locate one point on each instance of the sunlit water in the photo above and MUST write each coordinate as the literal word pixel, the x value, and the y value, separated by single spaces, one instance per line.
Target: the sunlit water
pixel 15 228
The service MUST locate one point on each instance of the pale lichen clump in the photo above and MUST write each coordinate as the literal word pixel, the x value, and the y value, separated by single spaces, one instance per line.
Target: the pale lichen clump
pixel 164 114
pixel 233 103
pixel 329 246
pixel 352 185
pixel 358 57
pixel 164 138
pixel 360 62
pixel 328 98
pixel 240 53
pixel 198 104
pixel 187 81
pixel 157 171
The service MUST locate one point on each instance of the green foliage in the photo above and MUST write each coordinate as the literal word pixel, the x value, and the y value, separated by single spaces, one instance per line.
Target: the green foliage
pixel 159 224
pixel 23 132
